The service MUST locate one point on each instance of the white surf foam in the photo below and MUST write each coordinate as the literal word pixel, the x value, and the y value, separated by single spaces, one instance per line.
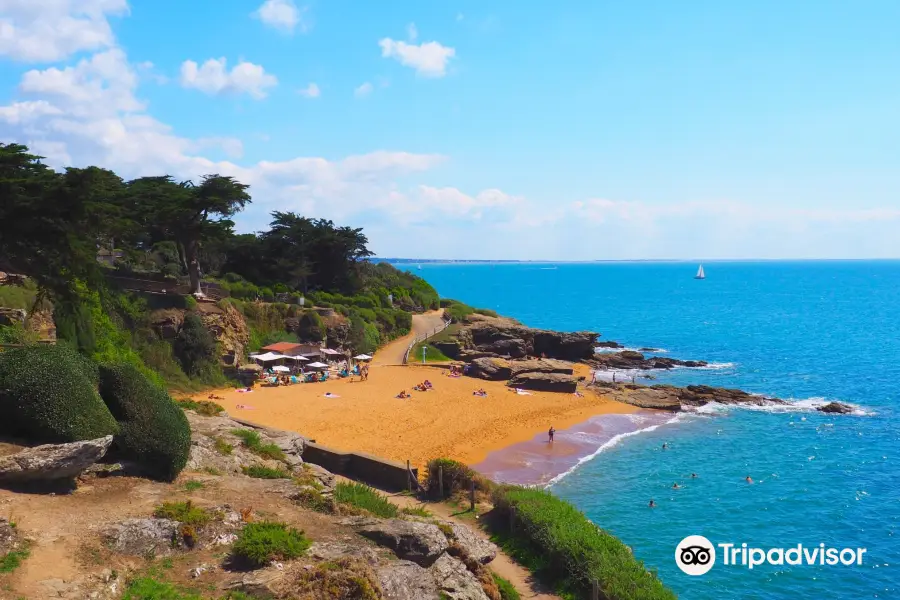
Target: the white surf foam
pixel 805 405
pixel 646 350
pixel 613 441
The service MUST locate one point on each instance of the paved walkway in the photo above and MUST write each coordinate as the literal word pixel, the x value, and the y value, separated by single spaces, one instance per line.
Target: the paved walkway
pixel 392 354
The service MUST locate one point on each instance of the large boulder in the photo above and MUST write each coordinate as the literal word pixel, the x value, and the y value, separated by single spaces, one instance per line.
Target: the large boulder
pixel 405 580
pixel 421 543
pixel 12 316
pixel 455 581
pixel 836 408
pixel 545 382
pixel 474 546
pixel 513 348
pixel 492 369
pixel 167 322
pixel 573 346
pixel 548 365
pixel 141 537
pixel 52 462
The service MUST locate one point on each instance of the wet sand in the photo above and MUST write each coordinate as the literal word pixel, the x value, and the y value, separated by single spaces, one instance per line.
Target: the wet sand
pixel 447 421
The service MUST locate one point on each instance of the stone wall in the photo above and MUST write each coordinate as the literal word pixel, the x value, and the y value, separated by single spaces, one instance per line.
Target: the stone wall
pixel 379 472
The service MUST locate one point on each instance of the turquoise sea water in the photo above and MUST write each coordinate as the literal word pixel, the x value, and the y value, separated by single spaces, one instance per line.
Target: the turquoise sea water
pixel 798 330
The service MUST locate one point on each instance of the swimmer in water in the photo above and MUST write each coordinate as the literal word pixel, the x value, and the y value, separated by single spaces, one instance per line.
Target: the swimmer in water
pixel 652 503
pixel 693 476
pixel 675 486
pixel 749 479
pixel 665 446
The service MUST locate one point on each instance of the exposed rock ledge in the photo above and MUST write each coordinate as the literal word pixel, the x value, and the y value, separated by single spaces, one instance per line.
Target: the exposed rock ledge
pixel 666 397
pixel 629 359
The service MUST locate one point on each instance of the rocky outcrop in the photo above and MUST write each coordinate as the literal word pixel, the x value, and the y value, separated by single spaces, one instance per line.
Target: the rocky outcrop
pixel 838 408
pixel 491 369
pixel 667 397
pixel 630 359
pixel 498 369
pixel 41 323
pixel 52 462
pixel 141 537
pixel 455 581
pixel 608 344
pixel 497 337
pixel 421 543
pixel 230 329
pixel 405 580
pixel 545 382
pixel 12 316
pixel 167 322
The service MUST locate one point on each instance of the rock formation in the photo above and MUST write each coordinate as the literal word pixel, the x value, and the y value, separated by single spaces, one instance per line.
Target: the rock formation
pixel 629 359
pixel 838 408
pixel 52 462
pixel 667 397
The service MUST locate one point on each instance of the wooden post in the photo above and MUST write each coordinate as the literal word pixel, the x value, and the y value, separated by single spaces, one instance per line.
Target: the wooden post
pixel 472 495
pixel 595 590
pixel 408 477
pixel 441 481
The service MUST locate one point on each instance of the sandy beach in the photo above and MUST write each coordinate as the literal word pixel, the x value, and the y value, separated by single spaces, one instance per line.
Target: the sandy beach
pixel 445 421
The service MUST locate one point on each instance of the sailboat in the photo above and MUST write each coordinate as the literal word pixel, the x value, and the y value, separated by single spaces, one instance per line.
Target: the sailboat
pixel 700 274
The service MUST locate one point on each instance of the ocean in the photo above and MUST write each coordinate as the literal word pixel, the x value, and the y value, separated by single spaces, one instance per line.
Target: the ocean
pixel 804 331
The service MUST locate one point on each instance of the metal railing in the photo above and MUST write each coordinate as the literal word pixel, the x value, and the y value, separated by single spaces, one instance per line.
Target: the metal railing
pixel 423 337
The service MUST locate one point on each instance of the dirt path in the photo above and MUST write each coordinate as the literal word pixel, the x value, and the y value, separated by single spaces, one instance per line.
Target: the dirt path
pixel 503 565
pixel 392 354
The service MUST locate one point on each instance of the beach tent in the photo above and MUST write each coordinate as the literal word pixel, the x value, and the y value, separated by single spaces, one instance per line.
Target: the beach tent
pixel 317 365
pixel 362 357
pixel 330 352
pixel 269 357
pixel 280 369
pixel 298 357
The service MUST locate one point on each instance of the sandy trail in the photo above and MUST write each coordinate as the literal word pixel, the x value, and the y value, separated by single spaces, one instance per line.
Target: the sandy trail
pixel 392 354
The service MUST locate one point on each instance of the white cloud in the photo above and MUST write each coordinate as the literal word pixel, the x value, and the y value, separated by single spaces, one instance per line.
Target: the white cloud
pixel 51 30
pixel 455 202
pixel 363 90
pixel 282 14
pixel 310 91
pixel 429 59
pixel 213 77
pixel 412 32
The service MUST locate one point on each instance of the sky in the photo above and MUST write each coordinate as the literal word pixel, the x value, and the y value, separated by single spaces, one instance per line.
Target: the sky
pixel 462 129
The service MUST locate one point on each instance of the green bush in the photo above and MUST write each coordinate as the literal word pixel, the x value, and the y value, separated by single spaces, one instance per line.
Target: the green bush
pixel 195 346
pixel 46 395
pixel 13 559
pixel 184 512
pixel 258 544
pixel 202 407
pixel 364 498
pixel 311 327
pixel 457 310
pixel 154 430
pixel 148 588
pixel 457 477
pixel 486 312
pixel 190 303
pixel 574 552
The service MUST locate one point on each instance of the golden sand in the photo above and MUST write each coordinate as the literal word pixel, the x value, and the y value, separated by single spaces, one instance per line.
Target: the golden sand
pixel 446 421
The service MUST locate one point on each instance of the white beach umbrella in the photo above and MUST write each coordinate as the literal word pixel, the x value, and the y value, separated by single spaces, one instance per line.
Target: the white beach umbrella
pixel 269 357
pixel 298 357
pixel 317 365
pixel 362 357
pixel 280 369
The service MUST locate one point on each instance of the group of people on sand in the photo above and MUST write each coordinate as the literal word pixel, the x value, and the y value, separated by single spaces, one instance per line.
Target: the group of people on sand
pixel 676 486
pixel 423 387
pixel 480 392
pixel 455 371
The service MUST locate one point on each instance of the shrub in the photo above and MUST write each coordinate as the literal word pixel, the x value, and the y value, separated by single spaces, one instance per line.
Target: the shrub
pixel 190 303
pixel 261 472
pixel 573 550
pixel 457 477
pixel 148 588
pixel 195 346
pixel 362 497
pixel 457 310
pixel 201 407
pixel 46 395
pixel 342 579
pixel 13 559
pixel 223 447
pixel 154 431
pixel 254 444
pixel 184 512
pixel 258 544
pixel 313 499
pixel 507 591
pixel 486 312
pixel 192 485
pixel 311 327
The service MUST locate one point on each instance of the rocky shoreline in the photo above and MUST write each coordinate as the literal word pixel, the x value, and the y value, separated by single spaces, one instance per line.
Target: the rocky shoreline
pixel 502 349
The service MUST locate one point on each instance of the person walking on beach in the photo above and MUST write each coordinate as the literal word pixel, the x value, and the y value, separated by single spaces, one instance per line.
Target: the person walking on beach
pixel 550 433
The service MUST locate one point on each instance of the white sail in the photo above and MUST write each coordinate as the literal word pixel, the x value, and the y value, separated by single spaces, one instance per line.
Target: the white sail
pixel 700 273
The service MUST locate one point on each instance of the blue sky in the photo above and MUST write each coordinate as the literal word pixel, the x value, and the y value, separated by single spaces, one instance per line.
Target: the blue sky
pixel 535 130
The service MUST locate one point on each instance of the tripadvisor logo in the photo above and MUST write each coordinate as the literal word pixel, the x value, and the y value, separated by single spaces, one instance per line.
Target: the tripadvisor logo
pixel 696 555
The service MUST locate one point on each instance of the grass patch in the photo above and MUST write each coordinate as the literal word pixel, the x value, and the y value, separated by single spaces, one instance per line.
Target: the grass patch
pixel 258 544
pixel 184 512
pixel 192 485
pixel 212 471
pixel 313 499
pixel 13 559
pixel 253 442
pixel 561 546
pixel 148 588
pixel 261 472
pixel 507 591
pixel 432 354
pixel 416 511
pixel 203 407
pixel 364 498
pixel 223 447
